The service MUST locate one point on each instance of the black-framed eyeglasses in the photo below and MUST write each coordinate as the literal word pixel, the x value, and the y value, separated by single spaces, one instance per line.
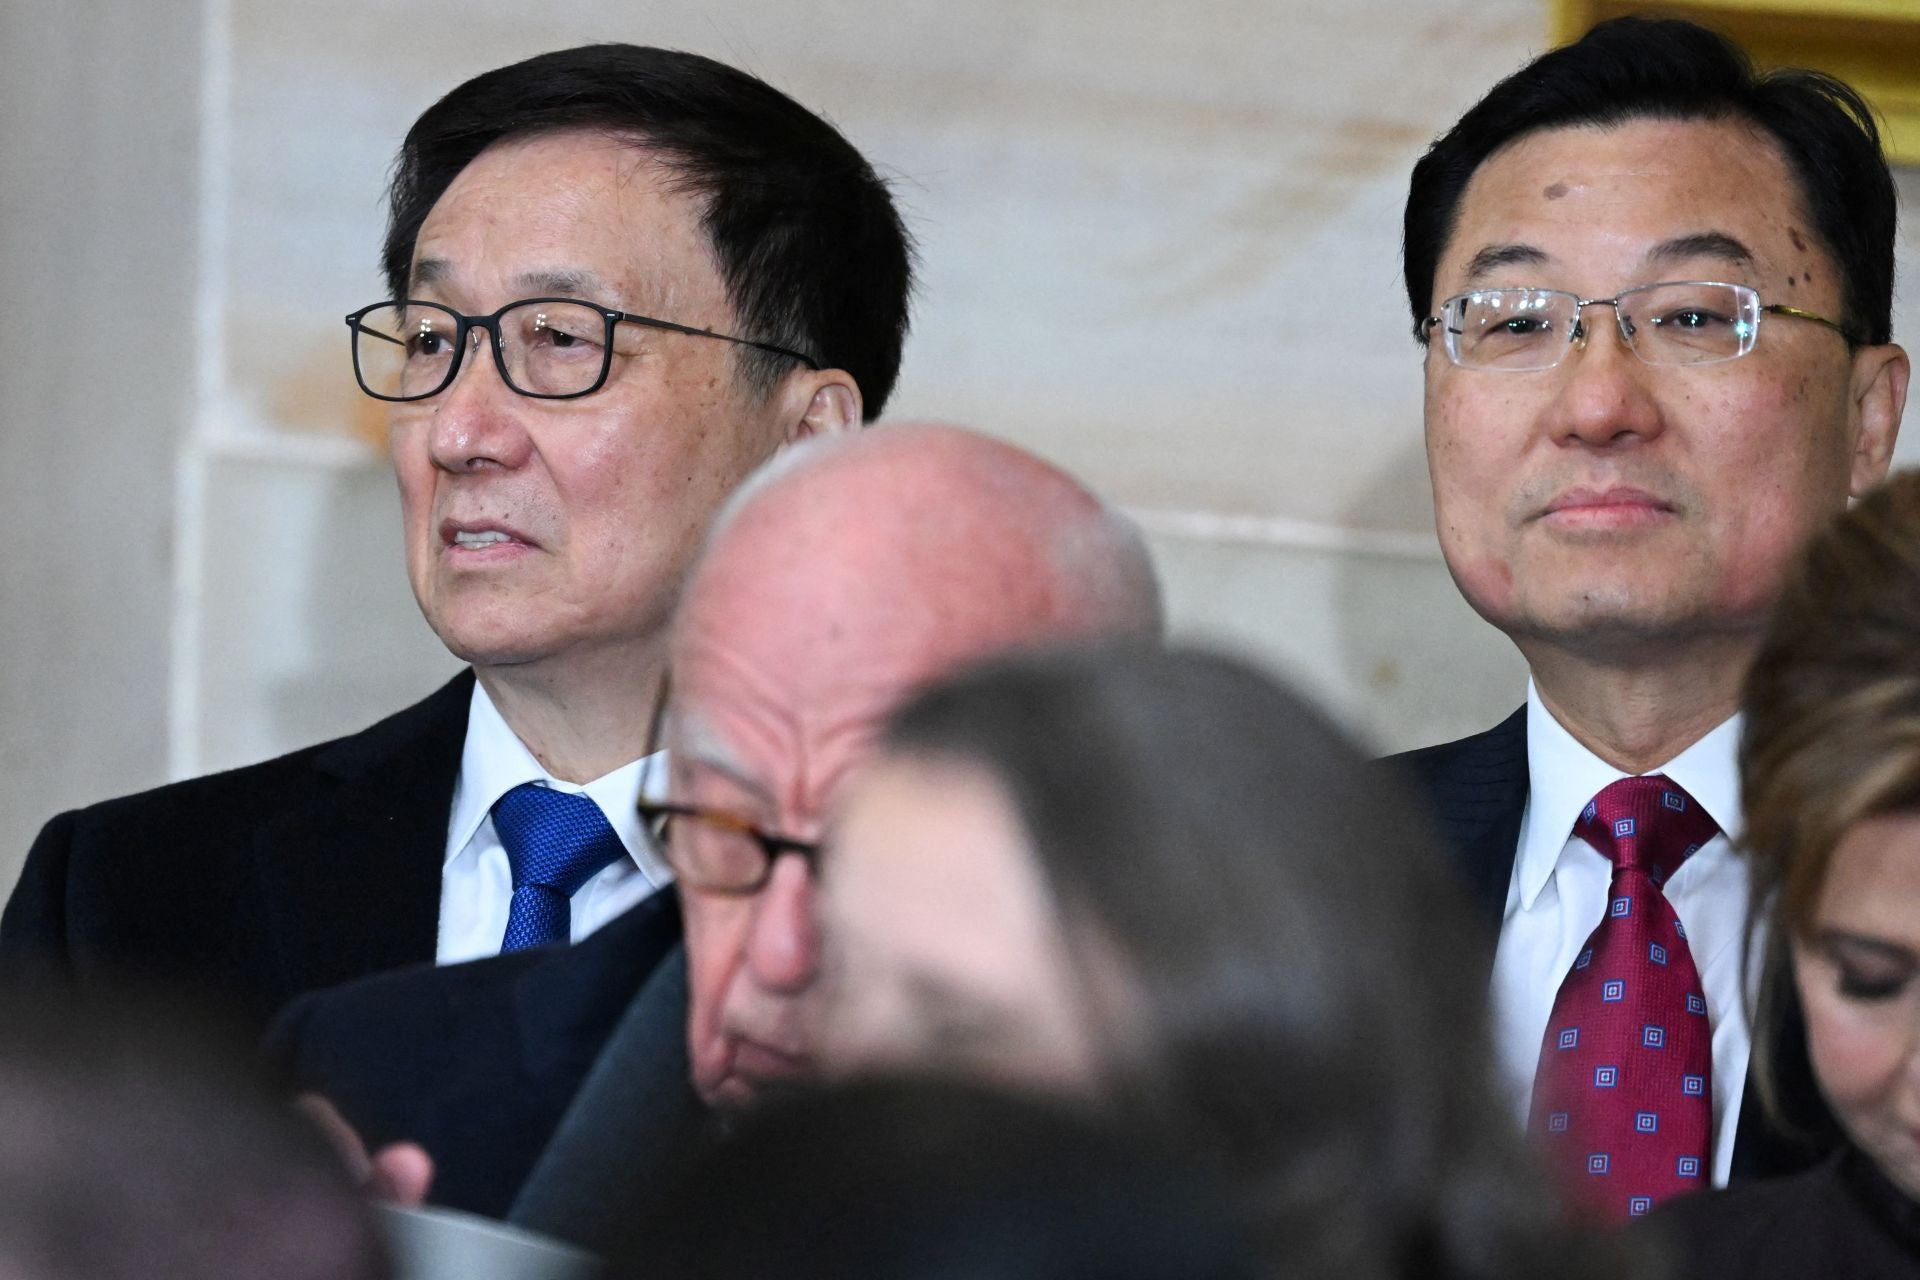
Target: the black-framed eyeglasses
pixel 720 852
pixel 546 348
pixel 1674 322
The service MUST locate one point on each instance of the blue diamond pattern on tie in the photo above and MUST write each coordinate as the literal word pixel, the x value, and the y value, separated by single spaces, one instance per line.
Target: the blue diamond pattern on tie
pixel 556 841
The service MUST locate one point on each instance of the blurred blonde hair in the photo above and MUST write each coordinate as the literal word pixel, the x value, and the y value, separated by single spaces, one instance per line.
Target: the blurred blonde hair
pixel 1832 733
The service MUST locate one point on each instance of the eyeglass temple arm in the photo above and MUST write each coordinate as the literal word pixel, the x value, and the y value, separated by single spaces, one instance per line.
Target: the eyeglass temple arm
pixel 671 327
pixel 357 327
pixel 1782 309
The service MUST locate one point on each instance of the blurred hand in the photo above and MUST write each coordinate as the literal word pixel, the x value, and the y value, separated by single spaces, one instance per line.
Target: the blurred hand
pixel 399 1174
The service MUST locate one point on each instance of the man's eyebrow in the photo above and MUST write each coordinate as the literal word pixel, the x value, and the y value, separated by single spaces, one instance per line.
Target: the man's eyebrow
pixel 699 750
pixel 1703 244
pixel 571 282
pixel 429 271
pixel 1495 256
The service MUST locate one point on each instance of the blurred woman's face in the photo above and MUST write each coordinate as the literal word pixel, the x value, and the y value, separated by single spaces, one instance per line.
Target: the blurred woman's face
pixel 944 950
pixel 1858 968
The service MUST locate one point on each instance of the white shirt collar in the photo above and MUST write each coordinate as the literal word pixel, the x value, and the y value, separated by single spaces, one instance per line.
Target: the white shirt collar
pixel 494 761
pixel 1563 775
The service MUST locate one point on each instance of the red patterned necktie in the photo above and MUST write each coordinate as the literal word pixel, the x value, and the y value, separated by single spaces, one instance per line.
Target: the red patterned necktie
pixel 1623 1098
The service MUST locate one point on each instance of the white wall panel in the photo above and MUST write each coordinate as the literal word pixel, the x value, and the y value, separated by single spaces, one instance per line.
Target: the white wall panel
pixel 99 127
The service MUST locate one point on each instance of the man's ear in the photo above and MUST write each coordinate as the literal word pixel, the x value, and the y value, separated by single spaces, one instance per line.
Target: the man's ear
pixel 1879 398
pixel 821 402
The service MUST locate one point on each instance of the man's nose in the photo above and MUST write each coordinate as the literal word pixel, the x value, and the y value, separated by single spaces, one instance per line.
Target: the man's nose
pixel 477 419
pixel 783 946
pixel 1607 397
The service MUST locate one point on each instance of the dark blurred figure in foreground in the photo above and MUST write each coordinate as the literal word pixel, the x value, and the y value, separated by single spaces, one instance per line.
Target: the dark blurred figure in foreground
pixel 935 1181
pixel 1160 882
pixel 1830 764
pixel 135 1147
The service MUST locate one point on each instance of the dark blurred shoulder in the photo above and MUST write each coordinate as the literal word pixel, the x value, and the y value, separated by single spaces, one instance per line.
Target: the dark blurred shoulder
pixel 1839 1218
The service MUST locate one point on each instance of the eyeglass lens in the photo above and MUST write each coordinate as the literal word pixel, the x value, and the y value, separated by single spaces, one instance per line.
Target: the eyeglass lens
pixel 409 351
pixel 1678 323
pixel 715 854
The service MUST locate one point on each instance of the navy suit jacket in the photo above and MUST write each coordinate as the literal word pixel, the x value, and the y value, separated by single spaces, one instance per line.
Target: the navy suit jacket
pixel 252 886
pixel 479 1062
pixel 1478 789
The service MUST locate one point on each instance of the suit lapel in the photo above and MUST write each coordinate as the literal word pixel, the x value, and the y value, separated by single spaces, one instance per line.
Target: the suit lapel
pixel 521 1049
pixel 564 1010
pixel 350 880
pixel 630 1118
pixel 1478 791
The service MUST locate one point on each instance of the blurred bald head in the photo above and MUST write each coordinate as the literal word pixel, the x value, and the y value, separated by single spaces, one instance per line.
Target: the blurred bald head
pixel 850 573
pixel 925 535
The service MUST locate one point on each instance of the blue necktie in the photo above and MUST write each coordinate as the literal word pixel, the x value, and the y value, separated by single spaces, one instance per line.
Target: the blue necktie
pixel 556 841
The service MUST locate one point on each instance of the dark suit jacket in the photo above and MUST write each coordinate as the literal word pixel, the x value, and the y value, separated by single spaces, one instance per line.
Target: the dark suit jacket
pixel 254 885
pixel 1841 1218
pixel 1478 788
pixel 632 1119
pixel 478 1062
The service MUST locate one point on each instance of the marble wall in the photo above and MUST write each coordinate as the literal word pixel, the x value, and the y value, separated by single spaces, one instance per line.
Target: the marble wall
pixel 100 131
pixel 1159 245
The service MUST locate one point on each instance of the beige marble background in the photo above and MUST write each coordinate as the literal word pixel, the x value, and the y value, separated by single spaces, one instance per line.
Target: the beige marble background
pixel 1160 244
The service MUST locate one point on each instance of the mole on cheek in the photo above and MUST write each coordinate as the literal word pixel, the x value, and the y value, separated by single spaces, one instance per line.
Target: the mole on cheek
pixel 1555 191
pixel 1793 234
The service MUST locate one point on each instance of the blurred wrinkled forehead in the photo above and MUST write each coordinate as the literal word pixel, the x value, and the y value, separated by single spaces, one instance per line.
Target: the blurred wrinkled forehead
pixel 890 557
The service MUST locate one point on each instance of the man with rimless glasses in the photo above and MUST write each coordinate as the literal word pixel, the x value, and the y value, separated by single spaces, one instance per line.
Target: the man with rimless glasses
pixel 1654 291
pixel 620 279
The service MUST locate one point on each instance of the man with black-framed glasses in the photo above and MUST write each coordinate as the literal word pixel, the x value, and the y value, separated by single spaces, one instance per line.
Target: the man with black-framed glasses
pixel 620 279
pixel 1654 291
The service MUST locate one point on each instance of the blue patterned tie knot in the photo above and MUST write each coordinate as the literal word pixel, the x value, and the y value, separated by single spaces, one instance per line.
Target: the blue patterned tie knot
pixel 556 841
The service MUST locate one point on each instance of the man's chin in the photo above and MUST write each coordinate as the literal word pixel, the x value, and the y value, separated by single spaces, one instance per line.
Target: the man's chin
pixel 1581 606
pixel 482 646
pixel 490 630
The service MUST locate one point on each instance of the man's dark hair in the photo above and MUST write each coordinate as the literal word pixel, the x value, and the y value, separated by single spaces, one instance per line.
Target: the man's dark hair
pixel 811 250
pixel 1638 68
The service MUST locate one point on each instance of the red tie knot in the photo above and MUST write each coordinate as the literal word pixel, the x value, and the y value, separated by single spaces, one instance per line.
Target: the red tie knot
pixel 1649 823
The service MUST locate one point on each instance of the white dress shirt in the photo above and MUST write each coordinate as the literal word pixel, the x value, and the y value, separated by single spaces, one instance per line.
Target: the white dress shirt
pixel 1559 893
pixel 476 884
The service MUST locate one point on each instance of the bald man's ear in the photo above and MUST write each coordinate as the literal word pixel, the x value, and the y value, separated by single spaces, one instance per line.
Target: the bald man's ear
pixel 821 402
